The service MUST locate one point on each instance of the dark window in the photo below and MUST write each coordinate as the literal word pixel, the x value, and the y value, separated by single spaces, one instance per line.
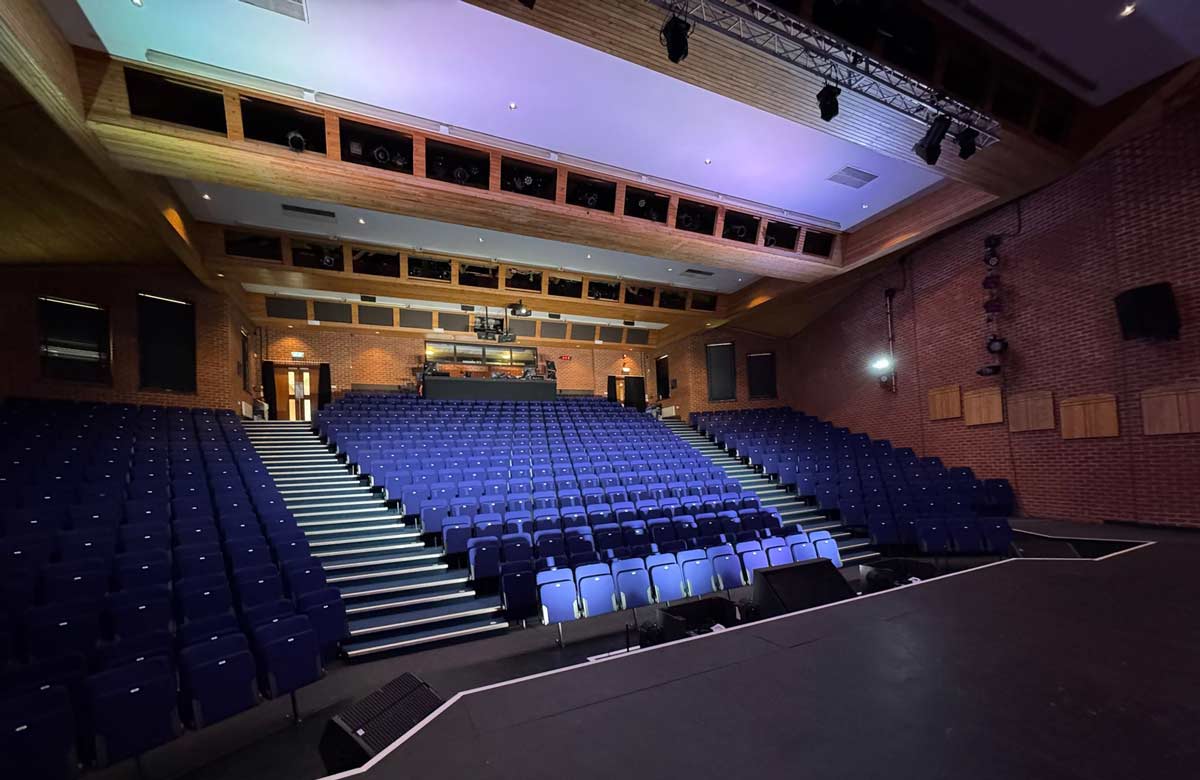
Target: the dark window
pixel 253 245
pixel 275 123
pixel 487 276
pixel 611 335
pixel 740 227
pixel 415 318
pixel 454 322
pixel 604 291
pixel 672 299
pixel 565 288
pixel 644 204
pixel 312 254
pixel 722 379
pixel 818 243
pixel 520 326
pixel 580 332
pixel 166 343
pixel 75 340
pixel 428 268
pixel 376 315
pixel 704 301
pixel 520 279
pixel 760 374
pixel 457 164
pixel 376 263
pixel 696 217
pixel 781 236
pixel 524 178
pixel 169 100
pixel 591 193
pixel 376 147
pixel 554 330
pixel 639 296
pixel 244 366
pixel 287 308
pixel 637 336
pixel 1014 96
pixel 331 311
pixel 662 376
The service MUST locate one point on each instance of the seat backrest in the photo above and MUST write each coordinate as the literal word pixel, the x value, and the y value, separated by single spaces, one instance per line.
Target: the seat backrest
pixel 745 547
pixel 668 581
pixel 720 549
pixel 661 559
pixel 698 574
pixel 633 587
pixel 690 555
pixel 627 564
pixel 591 570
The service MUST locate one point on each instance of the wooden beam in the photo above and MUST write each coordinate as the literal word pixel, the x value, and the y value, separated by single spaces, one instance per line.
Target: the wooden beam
pixel 934 210
pixel 34 51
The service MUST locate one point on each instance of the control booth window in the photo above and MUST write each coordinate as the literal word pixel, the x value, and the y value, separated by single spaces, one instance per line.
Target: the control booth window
pixel 74 340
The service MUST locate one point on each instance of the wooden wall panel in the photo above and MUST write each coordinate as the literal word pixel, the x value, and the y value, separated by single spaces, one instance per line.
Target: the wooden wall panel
pixel 1167 410
pixel 1031 411
pixel 945 403
pixel 1089 416
pixel 984 406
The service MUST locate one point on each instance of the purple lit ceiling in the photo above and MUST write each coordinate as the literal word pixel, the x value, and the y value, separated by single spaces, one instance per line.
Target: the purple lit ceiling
pixel 457 64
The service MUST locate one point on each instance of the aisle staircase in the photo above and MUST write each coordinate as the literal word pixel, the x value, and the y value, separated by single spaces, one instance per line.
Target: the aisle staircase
pixel 798 512
pixel 400 592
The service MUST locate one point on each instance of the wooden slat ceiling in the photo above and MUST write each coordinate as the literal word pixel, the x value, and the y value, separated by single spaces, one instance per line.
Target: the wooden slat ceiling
pixel 55 206
pixel 629 29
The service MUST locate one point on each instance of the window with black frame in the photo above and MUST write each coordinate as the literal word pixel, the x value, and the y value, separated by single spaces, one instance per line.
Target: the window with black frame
pixel 75 342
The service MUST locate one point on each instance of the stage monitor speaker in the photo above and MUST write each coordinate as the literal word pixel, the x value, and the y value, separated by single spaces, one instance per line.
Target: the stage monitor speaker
pixel 367 727
pixel 779 590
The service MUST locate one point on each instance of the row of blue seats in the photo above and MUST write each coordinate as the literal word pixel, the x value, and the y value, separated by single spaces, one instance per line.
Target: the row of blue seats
pixel 598 588
pixel 566 511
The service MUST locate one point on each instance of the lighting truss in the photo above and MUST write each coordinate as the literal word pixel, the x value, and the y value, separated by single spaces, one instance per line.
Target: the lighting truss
pixel 785 37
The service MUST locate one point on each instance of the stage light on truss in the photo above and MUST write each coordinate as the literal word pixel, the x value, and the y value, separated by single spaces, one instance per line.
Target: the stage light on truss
pixel 929 148
pixel 967 143
pixel 827 100
pixel 674 36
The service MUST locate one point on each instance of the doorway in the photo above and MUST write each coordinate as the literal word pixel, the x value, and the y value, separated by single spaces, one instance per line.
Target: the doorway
pixel 293 392
pixel 662 376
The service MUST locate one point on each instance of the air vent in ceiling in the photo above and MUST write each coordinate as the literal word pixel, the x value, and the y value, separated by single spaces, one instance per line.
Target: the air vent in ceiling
pixel 853 177
pixel 292 8
pixel 305 213
pixel 554 316
pixel 697 272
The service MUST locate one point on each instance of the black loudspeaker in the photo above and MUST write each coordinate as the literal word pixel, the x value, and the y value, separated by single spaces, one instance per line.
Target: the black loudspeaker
pixel 696 617
pixel 368 726
pixel 1148 312
pixel 612 389
pixel 779 590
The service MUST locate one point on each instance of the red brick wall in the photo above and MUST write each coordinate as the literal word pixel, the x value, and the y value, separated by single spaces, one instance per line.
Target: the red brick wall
pixel 687 365
pixel 359 357
pixel 116 287
pixel 1129 218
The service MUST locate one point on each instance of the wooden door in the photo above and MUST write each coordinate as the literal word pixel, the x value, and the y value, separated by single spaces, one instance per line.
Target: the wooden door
pixel 294 390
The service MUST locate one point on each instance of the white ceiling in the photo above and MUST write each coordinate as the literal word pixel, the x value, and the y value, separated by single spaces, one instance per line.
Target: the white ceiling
pixel 233 206
pixel 460 65
pixel 1115 53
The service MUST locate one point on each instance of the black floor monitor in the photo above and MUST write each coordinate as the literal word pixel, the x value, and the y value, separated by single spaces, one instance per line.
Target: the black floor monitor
pixel 782 589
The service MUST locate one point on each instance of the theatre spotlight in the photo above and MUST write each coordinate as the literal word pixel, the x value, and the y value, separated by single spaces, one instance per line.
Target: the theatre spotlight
pixel 674 36
pixel 518 309
pixel 997 345
pixel 295 141
pixel 992 370
pixel 827 100
pixel 929 148
pixel 884 368
pixel 967 143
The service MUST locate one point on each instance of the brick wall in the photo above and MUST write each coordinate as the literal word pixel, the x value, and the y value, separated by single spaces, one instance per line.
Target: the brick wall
pixel 1129 218
pixel 360 357
pixel 218 346
pixel 687 365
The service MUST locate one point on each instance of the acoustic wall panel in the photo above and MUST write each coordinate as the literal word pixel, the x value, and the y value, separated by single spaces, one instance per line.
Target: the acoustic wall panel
pixel 329 311
pixel 611 335
pixel 454 322
pixel 377 315
pixel 412 318
pixel 287 308
pixel 554 330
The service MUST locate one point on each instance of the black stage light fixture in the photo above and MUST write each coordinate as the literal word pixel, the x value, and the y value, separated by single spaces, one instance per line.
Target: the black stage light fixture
pixel 528 3
pixel 674 36
pixel 967 143
pixel 929 148
pixel 997 345
pixel 827 99
pixel 518 309
pixel 991 370
pixel 295 141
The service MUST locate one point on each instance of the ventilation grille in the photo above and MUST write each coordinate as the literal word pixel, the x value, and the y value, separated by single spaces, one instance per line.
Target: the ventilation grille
pixel 305 213
pixel 697 272
pixel 853 177
pixel 291 8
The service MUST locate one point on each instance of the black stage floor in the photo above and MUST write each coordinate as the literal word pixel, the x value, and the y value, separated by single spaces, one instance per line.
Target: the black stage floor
pixel 1025 669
